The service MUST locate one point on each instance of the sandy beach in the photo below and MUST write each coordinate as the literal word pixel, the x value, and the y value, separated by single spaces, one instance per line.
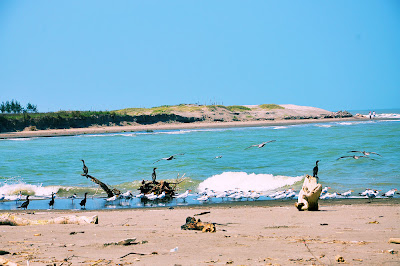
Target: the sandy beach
pixel 260 233
pixel 165 126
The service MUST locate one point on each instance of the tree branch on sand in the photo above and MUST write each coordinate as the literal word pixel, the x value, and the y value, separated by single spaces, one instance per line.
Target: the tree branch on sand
pixel 158 188
pixel 110 192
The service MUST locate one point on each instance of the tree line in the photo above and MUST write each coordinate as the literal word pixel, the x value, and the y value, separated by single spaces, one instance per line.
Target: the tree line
pixel 16 108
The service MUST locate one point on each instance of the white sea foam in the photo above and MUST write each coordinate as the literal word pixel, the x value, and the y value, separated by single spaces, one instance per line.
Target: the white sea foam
pixel 324 125
pixel 12 190
pixel 243 181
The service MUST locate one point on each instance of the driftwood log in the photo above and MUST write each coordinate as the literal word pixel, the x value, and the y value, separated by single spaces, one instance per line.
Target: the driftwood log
pixel 194 224
pixel 158 188
pixel 309 194
pixel 110 192
pixel 11 219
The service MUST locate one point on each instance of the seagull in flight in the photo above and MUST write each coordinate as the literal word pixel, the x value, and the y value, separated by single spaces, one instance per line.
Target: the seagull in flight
pixel 366 153
pixel 260 145
pixel 169 158
pixel 354 157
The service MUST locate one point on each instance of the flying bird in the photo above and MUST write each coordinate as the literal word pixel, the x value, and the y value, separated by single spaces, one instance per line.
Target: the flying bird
pixel 366 153
pixel 354 157
pixel 260 145
pixel 85 169
pixel 169 158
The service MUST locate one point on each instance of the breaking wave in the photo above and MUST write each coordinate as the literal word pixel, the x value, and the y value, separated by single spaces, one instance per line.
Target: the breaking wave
pixel 243 181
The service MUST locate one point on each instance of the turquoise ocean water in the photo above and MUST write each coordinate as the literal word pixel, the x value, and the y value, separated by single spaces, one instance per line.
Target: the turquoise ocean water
pixel 39 166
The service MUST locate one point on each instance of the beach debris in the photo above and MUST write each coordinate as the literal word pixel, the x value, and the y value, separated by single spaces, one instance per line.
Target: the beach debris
pixel 74 233
pixel 137 253
pixel 339 258
pixel 37 235
pixel 194 224
pixel 174 249
pixel 126 242
pixel 309 194
pixel 394 240
pixel 229 262
pixel 110 192
pixel 3 252
pixel 7 262
pixel 152 189
pixel 391 251
pixel 373 222
pixel 11 219
pixel 324 224
pixel 202 213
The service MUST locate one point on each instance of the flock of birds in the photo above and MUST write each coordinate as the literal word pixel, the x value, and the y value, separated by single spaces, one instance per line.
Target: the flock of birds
pixel 234 195
pixel 237 195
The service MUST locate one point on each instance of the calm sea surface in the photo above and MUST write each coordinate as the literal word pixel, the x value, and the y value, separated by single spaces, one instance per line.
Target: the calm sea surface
pixel 39 166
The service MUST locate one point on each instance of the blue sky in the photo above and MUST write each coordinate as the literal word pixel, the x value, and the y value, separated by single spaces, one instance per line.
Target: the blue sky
pixel 107 55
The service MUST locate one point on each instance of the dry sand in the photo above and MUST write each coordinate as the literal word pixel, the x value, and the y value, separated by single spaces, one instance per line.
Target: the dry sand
pixel 260 233
pixel 163 126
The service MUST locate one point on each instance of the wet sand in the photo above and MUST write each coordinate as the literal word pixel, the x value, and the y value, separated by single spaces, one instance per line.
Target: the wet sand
pixel 260 233
pixel 166 126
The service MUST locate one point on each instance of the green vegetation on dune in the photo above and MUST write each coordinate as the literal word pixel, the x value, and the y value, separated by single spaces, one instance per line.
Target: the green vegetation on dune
pixel 164 109
pixel 238 108
pixel 270 106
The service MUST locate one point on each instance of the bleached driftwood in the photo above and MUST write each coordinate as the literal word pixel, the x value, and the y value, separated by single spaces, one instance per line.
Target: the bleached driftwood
pixel 309 194
pixel 11 219
pixel 4 261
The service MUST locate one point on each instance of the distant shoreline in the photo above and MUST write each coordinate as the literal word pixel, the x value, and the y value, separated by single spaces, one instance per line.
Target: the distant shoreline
pixel 168 126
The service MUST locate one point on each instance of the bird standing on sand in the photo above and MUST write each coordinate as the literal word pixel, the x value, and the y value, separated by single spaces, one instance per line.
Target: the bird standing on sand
pixel 346 194
pixel 83 202
pixel 354 157
pixel 183 195
pixel 315 169
pixel 169 158
pixel 51 203
pixel 260 145
pixel 390 193
pixel 72 197
pixel 85 169
pixel 25 204
pixel 154 175
pixel 366 153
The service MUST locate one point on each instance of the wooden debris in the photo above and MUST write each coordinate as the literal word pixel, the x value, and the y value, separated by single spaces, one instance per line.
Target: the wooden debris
pixel 110 192
pixel 11 219
pixel 136 253
pixel 158 188
pixel 394 240
pixel 193 224
pixel 309 194
pixel 125 242
pixel 339 258
pixel 74 233
pixel 7 262
pixel 202 213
